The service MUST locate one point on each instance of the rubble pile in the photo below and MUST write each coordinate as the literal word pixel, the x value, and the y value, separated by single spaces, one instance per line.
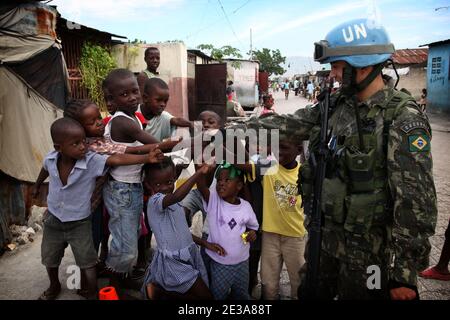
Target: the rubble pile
pixel 24 234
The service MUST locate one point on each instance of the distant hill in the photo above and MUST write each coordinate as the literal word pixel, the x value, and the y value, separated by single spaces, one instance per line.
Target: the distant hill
pixel 301 65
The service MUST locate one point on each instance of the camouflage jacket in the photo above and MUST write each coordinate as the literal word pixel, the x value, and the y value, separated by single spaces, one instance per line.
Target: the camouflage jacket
pixel 385 216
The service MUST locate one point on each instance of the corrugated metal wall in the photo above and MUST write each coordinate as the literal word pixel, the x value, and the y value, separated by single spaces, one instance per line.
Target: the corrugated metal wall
pixel 438 77
pixel 244 81
pixel 72 42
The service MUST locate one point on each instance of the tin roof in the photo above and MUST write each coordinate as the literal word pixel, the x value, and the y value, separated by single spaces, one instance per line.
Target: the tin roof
pixel 410 56
pixel 76 27
pixel 322 73
pixel 436 43
pixel 199 54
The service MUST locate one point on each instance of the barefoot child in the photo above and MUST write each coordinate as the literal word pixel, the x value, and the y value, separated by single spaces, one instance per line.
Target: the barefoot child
pixel 73 171
pixel 88 115
pixel 145 236
pixel 176 270
pixel 229 217
pixel 123 192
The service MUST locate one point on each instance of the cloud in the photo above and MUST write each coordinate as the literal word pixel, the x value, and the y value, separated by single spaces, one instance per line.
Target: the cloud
pixel 421 15
pixel 277 27
pixel 88 10
pixel 317 16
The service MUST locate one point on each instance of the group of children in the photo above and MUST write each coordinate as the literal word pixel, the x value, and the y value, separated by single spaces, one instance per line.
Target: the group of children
pixel 103 169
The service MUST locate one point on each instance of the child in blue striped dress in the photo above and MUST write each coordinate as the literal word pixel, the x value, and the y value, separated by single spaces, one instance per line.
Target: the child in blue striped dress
pixel 177 270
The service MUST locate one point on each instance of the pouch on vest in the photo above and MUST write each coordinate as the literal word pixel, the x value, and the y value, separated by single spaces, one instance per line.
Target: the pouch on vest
pixel 360 164
pixel 360 211
pixel 332 202
pixel 306 180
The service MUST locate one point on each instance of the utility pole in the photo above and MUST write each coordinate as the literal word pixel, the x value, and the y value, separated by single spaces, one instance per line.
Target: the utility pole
pixel 310 65
pixel 251 45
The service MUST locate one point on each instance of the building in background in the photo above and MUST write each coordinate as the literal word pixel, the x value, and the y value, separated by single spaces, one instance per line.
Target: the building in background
pixel 411 65
pixel 438 76
pixel 245 77
pixel 173 69
pixel 73 36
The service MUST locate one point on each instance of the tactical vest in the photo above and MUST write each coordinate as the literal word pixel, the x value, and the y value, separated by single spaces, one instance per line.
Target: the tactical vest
pixel 356 205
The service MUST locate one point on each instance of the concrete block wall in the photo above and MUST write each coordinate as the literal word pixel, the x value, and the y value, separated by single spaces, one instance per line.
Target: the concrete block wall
pixel 172 69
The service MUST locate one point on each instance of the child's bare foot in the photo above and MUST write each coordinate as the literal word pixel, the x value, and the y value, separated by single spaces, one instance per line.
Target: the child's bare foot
pixel 50 293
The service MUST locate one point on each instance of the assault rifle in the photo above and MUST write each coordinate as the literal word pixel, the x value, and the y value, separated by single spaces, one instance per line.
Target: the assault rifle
pixel 313 209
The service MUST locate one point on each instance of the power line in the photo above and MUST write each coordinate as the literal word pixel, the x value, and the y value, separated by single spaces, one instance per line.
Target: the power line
pixel 202 19
pixel 195 33
pixel 229 22
pixel 241 7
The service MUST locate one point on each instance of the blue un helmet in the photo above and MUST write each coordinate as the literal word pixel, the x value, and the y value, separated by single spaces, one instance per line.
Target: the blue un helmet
pixel 359 42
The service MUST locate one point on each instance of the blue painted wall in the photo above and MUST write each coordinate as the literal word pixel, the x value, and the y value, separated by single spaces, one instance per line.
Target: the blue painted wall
pixel 438 77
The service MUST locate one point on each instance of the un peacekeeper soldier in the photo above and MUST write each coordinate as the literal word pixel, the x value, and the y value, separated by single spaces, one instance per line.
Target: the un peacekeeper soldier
pixel 378 198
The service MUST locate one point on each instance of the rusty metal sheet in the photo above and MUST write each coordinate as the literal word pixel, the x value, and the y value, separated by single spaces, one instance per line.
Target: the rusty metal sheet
pixel 210 87
pixel 410 56
pixel 263 81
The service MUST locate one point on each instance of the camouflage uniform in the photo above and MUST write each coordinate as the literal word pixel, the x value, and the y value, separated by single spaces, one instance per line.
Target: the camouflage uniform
pixel 378 204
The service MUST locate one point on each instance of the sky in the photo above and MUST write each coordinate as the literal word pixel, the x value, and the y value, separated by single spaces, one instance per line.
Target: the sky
pixel 292 26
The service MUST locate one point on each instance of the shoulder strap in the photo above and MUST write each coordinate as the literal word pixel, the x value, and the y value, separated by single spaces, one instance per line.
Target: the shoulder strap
pixel 393 105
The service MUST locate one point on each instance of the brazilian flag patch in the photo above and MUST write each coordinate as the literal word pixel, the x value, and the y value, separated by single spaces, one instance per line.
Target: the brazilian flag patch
pixel 419 143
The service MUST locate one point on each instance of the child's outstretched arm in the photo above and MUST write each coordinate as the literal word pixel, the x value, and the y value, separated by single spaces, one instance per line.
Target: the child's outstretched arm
pixel 202 185
pixel 181 122
pixel 153 156
pixel 182 191
pixel 40 179
pixel 209 245
pixel 166 145
pixel 125 128
pixel 247 166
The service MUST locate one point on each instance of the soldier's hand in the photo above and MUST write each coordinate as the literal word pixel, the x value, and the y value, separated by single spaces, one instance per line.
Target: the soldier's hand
pixel 403 293
pixel 155 156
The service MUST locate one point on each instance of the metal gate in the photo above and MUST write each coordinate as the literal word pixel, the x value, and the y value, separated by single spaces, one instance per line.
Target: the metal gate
pixel 210 87
pixel 263 82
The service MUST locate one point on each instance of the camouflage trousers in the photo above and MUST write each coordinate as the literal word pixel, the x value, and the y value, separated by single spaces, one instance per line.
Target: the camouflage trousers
pixel 348 281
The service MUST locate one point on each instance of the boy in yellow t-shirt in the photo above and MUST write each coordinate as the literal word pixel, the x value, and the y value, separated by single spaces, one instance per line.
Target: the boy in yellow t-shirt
pixel 283 233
